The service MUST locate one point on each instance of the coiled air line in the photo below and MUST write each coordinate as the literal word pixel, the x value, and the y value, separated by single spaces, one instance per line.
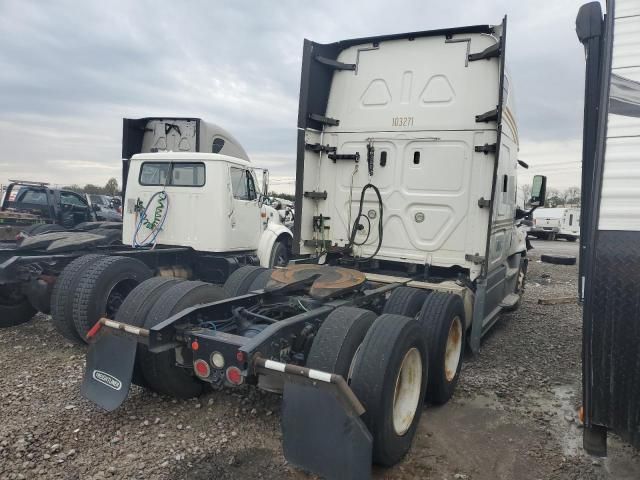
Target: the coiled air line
pixel 154 225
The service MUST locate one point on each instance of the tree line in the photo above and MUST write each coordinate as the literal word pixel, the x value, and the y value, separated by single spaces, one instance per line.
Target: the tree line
pixel 569 197
pixel 110 188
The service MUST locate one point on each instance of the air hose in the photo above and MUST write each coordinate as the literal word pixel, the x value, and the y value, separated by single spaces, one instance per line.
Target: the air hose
pixel 356 223
pixel 153 225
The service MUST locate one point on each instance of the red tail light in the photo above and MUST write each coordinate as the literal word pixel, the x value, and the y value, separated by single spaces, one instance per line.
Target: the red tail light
pixel 202 368
pixel 234 375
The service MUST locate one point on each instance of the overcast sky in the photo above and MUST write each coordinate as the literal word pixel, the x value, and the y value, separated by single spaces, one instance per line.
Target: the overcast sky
pixel 69 72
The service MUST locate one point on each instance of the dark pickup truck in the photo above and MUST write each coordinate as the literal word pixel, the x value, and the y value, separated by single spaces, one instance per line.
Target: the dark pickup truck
pixel 34 208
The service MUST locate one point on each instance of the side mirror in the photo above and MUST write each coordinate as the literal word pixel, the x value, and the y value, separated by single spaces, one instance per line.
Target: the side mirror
pixel 96 207
pixel 265 182
pixel 538 191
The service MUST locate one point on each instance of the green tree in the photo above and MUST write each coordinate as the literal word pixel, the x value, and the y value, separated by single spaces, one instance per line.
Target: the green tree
pixel 111 187
pixel 93 189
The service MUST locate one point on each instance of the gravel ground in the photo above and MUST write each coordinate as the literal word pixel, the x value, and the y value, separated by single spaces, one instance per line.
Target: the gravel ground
pixel 513 415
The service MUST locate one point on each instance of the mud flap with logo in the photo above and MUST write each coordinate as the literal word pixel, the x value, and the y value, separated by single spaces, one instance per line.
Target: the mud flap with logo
pixel 107 376
pixel 321 427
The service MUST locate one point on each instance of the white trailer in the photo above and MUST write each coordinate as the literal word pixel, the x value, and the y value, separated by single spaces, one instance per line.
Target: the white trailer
pixel 610 243
pixel 553 223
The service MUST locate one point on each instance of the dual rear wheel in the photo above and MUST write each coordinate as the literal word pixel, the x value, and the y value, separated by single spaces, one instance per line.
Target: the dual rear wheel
pixel 91 287
pixel 393 363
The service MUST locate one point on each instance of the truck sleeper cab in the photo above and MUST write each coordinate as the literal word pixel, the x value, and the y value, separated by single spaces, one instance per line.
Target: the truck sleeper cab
pixel 408 244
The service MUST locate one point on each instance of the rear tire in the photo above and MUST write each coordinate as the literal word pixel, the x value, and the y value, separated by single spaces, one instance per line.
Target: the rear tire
pixel 338 339
pixel 261 280
pixel 406 301
pixel 62 296
pixel 558 259
pixel 103 287
pixel 240 281
pixel 159 369
pixel 136 307
pixel 442 320
pixel 390 379
pixel 15 311
pixel 279 255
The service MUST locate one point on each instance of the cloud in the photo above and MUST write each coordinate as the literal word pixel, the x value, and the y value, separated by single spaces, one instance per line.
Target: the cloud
pixel 559 160
pixel 69 72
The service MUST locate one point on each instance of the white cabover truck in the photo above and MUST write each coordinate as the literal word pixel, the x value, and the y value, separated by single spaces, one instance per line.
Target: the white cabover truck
pixel 408 246
pixel 553 223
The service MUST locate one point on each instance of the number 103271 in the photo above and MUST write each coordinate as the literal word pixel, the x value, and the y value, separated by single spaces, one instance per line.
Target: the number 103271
pixel 402 122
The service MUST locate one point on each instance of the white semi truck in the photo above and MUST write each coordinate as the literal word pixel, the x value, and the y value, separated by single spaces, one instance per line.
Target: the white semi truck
pixel 407 244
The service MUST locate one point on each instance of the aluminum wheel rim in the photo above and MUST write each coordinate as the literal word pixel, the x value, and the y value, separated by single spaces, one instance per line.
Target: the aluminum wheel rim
pixel 407 391
pixel 454 349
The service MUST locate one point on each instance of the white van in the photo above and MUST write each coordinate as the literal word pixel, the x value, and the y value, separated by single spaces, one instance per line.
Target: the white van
pixel 553 223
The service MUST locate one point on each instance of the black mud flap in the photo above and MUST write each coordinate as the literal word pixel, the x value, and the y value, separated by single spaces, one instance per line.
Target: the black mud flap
pixel 322 434
pixel 107 376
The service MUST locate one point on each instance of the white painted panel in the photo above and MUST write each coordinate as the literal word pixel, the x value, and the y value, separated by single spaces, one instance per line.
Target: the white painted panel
pixel 627 8
pixel 621 125
pixel 625 43
pixel 422 84
pixel 620 201
pixel 620 197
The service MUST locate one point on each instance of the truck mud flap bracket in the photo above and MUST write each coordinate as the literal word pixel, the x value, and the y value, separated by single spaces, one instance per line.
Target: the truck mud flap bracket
pixel 321 427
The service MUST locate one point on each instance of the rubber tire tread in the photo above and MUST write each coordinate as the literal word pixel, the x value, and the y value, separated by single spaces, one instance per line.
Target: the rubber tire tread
pixel 62 297
pixel 159 369
pixel 261 280
pixel 435 317
pixel 136 307
pixel 338 339
pixel 373 381
pixel 558 259
pixel 406 301
pixel 278 246
pixel 90 295
pixel 241 279
pixel 12 315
